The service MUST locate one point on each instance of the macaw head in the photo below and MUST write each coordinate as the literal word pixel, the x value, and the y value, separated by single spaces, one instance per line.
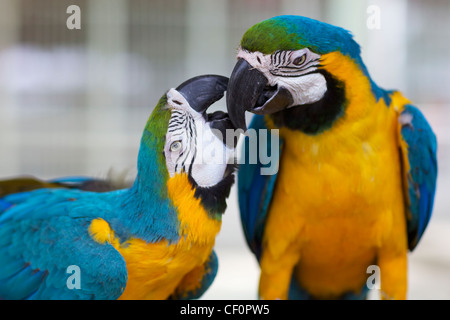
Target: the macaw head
pixel 182 139
pixel 293 64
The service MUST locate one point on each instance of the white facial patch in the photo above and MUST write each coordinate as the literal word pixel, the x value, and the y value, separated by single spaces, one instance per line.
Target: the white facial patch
pixel 305 90
pixel 212 158
pixel 293 70
pixel 192 146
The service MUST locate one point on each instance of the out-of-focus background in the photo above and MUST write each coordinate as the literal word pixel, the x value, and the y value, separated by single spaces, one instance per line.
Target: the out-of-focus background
pixel 74 102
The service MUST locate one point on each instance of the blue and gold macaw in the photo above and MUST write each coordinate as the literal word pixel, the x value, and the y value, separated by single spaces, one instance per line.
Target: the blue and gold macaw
pixel 357 166
pixel 153 240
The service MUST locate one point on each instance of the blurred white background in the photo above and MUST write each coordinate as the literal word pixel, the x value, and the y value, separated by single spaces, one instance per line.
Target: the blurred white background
pixel 74 102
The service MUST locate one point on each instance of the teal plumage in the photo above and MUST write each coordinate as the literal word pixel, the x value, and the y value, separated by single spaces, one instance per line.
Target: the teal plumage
pixel 44 232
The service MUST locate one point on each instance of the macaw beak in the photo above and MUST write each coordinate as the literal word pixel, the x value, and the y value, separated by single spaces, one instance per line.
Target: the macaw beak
pixel 201 92
pixel 249 90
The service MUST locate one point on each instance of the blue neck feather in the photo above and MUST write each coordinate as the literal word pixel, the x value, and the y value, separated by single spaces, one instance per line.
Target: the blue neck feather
pixel 145 209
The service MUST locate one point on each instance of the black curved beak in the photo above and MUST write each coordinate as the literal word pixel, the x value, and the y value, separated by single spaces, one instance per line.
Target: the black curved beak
pixel 201 92
pixel 248 90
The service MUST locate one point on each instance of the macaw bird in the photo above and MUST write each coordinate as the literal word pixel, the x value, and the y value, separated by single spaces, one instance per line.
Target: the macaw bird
pixel 153 240
pixel 356 171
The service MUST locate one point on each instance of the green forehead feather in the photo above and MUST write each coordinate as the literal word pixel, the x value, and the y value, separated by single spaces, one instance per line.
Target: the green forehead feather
pixel 296 32
pixel 268 37
pixel 151 152
pixel 158 122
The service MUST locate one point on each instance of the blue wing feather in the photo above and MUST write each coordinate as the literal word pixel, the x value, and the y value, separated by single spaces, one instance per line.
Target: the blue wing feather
pixel 254 189
pixel 420 154
pixel 39 240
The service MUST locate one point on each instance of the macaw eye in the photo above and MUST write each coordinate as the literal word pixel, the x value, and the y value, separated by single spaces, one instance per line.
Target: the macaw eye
pixel 175 146
pixel 299 60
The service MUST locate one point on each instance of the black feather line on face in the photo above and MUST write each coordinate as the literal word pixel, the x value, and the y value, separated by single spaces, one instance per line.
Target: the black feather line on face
pixel 213 199
pixel 319 116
